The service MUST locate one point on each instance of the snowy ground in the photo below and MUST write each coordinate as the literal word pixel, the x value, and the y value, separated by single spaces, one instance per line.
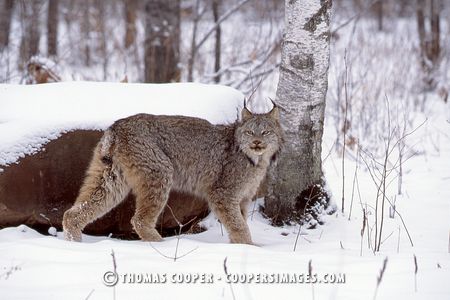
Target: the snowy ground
pixel 34 266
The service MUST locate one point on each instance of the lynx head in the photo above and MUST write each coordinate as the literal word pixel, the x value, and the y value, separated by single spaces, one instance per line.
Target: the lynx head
pixel 259 136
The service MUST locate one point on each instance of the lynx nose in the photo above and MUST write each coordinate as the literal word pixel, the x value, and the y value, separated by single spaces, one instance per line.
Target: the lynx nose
pixel 257 142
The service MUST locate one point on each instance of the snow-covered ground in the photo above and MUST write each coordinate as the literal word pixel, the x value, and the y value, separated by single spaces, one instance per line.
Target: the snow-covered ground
pixel 34 266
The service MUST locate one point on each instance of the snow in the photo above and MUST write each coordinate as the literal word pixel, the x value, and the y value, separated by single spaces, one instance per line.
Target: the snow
pixel 32 115
pixel 34 266
pixel 52 231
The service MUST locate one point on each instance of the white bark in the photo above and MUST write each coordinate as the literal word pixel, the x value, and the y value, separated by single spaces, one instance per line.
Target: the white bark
pixel 301 93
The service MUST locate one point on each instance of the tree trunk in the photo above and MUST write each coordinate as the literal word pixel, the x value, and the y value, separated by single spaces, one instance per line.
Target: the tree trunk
pixel 191 59
pixel 130 22
pixel 435 48
pixel 217 48
pixel 35 33
pixel 85 28
pixel 301 93
pixel 430 49
pixel 162 40
pixel 29 45
pixel 100 28
pixel 52 28
pixel 6 12
pixel 421 26
pixel 378 6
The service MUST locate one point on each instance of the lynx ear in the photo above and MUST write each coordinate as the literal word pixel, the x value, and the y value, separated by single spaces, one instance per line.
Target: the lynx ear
pixel 245 114
pixel 275 113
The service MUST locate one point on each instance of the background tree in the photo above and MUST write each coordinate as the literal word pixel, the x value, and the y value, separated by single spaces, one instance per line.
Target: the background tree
pixel 429 40
pixel 301 92
pixel 218 42
pixel 100 14
pixel 29 44
pixel 52 28
pixel 130 22
pixel 378 10
pixel 85 29
pixel 162 40
pixel 6 10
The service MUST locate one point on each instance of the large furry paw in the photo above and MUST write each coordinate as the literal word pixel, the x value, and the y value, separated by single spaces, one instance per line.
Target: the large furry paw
pixel 72 235
pixel 241 239
pixel 145 232
pixel 71 231
pixel 245 242
pixel 150 235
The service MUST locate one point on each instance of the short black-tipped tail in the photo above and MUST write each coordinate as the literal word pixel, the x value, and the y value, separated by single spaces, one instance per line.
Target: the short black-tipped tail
pixel 106 146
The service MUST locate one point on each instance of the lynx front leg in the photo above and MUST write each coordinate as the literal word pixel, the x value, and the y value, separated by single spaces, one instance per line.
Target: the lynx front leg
pixel 148 207
pixel 229 213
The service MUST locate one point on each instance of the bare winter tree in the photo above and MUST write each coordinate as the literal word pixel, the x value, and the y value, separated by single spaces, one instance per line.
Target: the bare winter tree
pixel 195 46
pixel 162 40
pixel 85 29
pixel 29 44
pixel 52 28
pixel 6 10
pixel 130 22
pixel 217 46
pixel 378 10
pixel 430 49
pixel 302 89
pixel 100 27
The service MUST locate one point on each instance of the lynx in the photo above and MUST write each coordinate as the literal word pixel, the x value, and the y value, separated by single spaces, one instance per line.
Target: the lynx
pixel 151 155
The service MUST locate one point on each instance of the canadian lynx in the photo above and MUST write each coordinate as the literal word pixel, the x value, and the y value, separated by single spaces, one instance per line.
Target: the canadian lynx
pixel 151 155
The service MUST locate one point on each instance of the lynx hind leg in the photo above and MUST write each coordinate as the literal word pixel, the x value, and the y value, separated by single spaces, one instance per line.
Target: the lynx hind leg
pixel 150 180
pixel 230 214
pixel 104 188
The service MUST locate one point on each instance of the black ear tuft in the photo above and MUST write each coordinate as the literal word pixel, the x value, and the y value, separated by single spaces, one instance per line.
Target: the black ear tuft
pixel 245 114
pixel 275 112
pixel 273 103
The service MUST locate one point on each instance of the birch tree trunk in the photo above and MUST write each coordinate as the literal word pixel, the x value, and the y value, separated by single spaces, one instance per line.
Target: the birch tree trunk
pixel 301 93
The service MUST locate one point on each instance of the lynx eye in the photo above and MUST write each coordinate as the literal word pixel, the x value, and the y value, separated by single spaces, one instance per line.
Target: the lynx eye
pixel 249 132
pixel 266 132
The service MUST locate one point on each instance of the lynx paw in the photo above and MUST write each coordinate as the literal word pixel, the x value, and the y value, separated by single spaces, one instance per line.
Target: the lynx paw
pixel 241 239
pixel 145 232
pixel 72 235
pixel 149 235
pixel 71 231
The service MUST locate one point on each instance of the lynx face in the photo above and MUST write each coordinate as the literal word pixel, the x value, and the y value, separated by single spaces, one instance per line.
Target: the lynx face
pixel 260 135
